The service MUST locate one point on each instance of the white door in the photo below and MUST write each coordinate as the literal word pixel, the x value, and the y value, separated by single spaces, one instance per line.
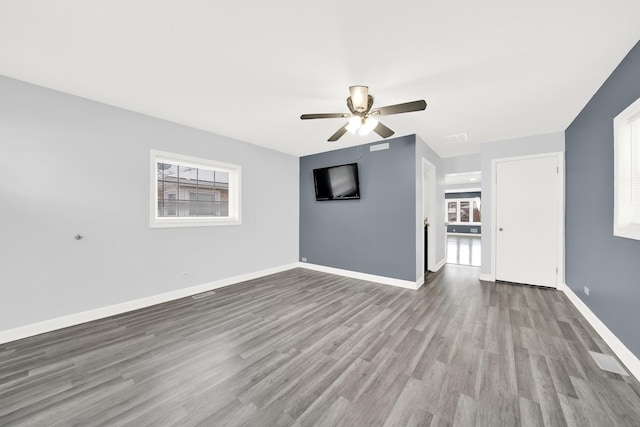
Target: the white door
pixel 527 220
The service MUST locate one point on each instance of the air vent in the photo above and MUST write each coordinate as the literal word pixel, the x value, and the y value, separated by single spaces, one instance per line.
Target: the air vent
pixel 609 363
pixel 459 137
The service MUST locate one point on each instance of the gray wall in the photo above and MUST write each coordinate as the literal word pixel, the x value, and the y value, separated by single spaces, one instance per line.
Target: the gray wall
pixel 69 165
pixel 608 265
pixel 374 234
pixel 538 144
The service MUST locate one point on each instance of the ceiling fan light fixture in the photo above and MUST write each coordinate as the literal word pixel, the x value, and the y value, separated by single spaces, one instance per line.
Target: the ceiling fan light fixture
pixel 359 97
pixel 368 125
pixel 354 124
pixel 362 116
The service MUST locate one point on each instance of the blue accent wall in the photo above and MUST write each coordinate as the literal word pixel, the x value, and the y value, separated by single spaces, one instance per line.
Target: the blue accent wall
pixel 608 265
pixel 375 234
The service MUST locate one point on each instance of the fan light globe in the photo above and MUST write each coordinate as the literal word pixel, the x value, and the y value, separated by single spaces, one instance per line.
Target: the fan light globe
pixel 369 124
pixel 354 124
pixel 359 97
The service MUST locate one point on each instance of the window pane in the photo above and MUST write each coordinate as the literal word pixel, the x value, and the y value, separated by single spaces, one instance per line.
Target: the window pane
pixel 205 187
pixel 170 172
pixel 187 174
pixel 452 212
pixel 169 205
pixel 476 211
pixel 205 194
pixel 464 211
pixel 161 169
pixel 205 175
pixel 222 177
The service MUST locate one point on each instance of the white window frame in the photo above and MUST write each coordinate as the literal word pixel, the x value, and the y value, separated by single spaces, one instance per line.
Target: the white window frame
pixel 234 171
pixel 623 226
pixel 457 221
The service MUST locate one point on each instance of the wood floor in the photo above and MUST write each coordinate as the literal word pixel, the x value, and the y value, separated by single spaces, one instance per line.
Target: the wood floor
pixel 308 348
pixel 464 250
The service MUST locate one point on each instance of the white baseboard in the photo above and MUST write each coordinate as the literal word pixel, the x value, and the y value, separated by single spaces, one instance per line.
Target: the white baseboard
pixel 439 265
pixel 487 277
pixel 407 284
pixel 112 310
pixel 631 362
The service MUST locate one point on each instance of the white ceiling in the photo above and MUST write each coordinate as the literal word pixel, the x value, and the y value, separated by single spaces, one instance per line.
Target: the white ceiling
pixel 495 69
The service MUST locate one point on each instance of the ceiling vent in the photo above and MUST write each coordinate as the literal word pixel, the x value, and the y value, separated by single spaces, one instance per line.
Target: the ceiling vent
pixel 459 137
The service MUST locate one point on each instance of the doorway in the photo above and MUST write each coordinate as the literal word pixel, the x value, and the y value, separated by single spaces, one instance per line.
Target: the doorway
pixel 428 236
pixel 463 201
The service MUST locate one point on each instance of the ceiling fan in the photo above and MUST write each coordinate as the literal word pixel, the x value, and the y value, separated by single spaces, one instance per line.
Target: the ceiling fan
pixel 362 118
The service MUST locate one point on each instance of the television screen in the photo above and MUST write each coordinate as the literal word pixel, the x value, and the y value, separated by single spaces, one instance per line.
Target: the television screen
pixel 337 182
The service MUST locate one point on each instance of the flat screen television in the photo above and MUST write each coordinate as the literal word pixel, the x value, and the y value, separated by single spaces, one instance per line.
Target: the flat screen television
pixel 337 182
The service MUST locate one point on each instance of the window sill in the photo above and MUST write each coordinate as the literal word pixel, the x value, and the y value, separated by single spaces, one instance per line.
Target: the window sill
pixel 192 222
pixel 627 232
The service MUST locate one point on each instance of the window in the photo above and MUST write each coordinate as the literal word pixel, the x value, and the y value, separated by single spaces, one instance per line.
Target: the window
pixel 188 191
pixel 463 211
pixel 626 215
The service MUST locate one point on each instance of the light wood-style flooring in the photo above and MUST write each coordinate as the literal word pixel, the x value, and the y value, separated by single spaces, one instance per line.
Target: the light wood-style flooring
pixel 308 348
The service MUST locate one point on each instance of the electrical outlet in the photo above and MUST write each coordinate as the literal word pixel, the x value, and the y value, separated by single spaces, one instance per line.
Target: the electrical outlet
pixel 304 259
pixel 586 290
pixel 185 275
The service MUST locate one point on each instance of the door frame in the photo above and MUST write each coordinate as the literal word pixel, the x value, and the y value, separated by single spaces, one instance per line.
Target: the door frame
pixel 429 171
pixel 561 207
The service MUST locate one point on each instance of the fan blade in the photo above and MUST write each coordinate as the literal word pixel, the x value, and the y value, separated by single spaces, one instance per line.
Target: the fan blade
pixel 400 108
pixel 325 116
pixel 383 131
pixel 336 136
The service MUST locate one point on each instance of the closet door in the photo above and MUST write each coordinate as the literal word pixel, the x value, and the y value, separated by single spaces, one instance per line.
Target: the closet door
pixel 527 220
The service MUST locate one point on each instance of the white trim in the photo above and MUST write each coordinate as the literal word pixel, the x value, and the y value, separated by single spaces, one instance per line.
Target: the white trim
pixel 462 190
pixel 464 234
pixel 630 361
pixel 407 284
pixel 494 201
pixel 115 309
pixel 623 205
pixel 487 277
pixel 439 265
pixel 429 169
pixel 234 191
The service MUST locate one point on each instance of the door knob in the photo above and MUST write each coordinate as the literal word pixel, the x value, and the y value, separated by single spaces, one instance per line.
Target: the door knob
pixel 500 229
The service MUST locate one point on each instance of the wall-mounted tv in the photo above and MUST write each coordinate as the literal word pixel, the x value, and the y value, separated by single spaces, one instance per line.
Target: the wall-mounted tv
pixel 337 182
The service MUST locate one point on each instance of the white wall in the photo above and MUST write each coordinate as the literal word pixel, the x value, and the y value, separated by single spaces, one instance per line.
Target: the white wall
pixel 437 223
pixel 69 165
pixel 461 164
pixel 549 143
